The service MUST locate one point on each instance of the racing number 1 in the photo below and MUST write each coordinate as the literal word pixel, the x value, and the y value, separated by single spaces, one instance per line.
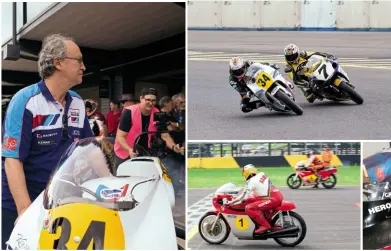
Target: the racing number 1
pixel 96 231
pixel 241 222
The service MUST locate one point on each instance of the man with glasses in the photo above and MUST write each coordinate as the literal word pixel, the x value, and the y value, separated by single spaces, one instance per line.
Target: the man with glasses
pixel 42 121
pixel 136 119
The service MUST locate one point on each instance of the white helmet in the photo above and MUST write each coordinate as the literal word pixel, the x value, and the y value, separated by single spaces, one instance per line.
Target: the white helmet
pixel 292 53
pixel 310 154
pixel 237 67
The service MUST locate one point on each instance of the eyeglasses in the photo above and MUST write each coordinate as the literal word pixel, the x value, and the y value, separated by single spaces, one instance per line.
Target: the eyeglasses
pixel 64 132
pixel 150 100
pixel 80 59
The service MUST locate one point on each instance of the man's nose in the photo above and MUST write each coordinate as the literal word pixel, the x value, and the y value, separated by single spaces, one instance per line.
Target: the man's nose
pixel 83 67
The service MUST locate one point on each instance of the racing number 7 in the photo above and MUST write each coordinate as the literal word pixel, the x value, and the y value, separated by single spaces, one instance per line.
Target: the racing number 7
pixel 323 68
pixel 96 231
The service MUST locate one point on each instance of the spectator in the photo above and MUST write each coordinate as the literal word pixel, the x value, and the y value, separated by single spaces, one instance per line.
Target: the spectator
pixel 113 117
pixel 179 113
pixel 96 123
pixel 166 105
pixel 42 121
pixel 327 156
pixel 134 120
pixel 127 100
pixel 174 162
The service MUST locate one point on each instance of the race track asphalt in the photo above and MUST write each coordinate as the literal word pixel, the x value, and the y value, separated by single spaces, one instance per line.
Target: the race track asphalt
pixel 213 106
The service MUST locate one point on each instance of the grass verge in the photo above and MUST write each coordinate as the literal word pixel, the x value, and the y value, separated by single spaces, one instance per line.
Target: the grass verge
pixel 205 178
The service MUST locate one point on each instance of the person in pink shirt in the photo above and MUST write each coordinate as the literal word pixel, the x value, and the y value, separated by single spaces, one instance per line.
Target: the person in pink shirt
pixel 113 118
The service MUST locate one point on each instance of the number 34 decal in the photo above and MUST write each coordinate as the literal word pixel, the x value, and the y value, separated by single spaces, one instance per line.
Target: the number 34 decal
pixel 82 227
pixel 95 233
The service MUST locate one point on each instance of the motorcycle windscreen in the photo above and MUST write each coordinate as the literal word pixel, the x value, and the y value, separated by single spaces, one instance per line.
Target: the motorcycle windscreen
pixel 250 74
pixel 83 198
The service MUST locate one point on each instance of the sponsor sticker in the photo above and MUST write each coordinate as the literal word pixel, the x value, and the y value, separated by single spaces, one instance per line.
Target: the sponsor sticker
pixel 112 194
pixel 74 114
pixel 10 143
pixel 21 243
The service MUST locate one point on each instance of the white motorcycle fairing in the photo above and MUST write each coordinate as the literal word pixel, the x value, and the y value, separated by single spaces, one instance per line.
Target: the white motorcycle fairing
pixel 260 92
pixel 148 226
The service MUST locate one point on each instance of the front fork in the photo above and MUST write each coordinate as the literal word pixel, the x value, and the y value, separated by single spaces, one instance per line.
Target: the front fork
pixel 283 219
pixel 215 222
pixel 295 178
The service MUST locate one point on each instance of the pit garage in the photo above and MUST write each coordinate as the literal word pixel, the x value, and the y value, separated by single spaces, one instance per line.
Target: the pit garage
pixel 126 46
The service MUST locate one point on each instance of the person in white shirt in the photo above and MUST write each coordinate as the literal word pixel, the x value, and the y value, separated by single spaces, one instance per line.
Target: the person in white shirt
pixel 259 195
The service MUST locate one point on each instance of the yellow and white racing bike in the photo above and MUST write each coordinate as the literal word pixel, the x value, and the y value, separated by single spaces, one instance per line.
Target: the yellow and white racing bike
pixel 269 86
pixel 90 204
pixel 329 80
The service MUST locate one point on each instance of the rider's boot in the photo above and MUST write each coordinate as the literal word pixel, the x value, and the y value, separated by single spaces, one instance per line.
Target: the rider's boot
pixel 308 93
pixel 248 107
pixel 264 225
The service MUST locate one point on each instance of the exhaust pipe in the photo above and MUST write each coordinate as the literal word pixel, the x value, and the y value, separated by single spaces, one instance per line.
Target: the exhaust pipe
pixel 286 236
pixel 291 230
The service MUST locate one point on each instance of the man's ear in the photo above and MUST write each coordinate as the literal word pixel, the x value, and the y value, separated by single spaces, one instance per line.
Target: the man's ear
pixel 56 63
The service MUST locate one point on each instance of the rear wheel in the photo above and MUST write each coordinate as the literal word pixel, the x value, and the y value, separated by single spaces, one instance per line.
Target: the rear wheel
pixel 344 87
pixel 331 182
pixel 289 102
pixel 291 220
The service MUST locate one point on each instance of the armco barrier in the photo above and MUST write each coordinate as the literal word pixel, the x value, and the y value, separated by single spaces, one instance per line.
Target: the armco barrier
pixel 290 15
pixel 266 161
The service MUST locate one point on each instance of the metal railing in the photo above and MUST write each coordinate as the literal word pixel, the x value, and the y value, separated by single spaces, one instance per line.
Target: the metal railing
pixel 269 149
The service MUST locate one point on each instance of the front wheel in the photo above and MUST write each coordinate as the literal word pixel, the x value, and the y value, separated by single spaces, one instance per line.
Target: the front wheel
pixel 217 235
pixel 344 87
pixel 290 219
pixel 292 183
pixel 331 182
pixel 289 102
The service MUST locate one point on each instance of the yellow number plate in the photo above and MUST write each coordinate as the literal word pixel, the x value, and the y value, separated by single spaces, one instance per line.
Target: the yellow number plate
pixel 264 80
pixel 82 226
pixel 242 223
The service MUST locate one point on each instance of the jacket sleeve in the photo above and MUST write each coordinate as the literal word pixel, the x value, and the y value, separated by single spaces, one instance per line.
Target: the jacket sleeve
pixel 242 91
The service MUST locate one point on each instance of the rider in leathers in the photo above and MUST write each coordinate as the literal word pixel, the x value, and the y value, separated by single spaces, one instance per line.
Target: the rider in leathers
pixel 259 195
pixel 315 164
pixel 295 61
pixel 97 125
pixel 237 69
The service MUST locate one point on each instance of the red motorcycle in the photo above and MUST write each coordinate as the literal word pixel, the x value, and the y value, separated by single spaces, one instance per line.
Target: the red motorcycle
pixel 288 227
pixel 304 176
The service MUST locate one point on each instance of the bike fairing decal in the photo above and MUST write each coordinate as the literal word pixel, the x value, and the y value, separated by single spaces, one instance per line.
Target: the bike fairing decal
pixel 110 194
pixel 380 208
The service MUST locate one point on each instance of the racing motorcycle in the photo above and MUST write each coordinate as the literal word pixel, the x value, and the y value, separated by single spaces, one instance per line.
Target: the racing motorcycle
pixel 377 200
pixel 304 176
pixel 266 84
pixel 90 204
pixel 330 81
pixel 289 228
